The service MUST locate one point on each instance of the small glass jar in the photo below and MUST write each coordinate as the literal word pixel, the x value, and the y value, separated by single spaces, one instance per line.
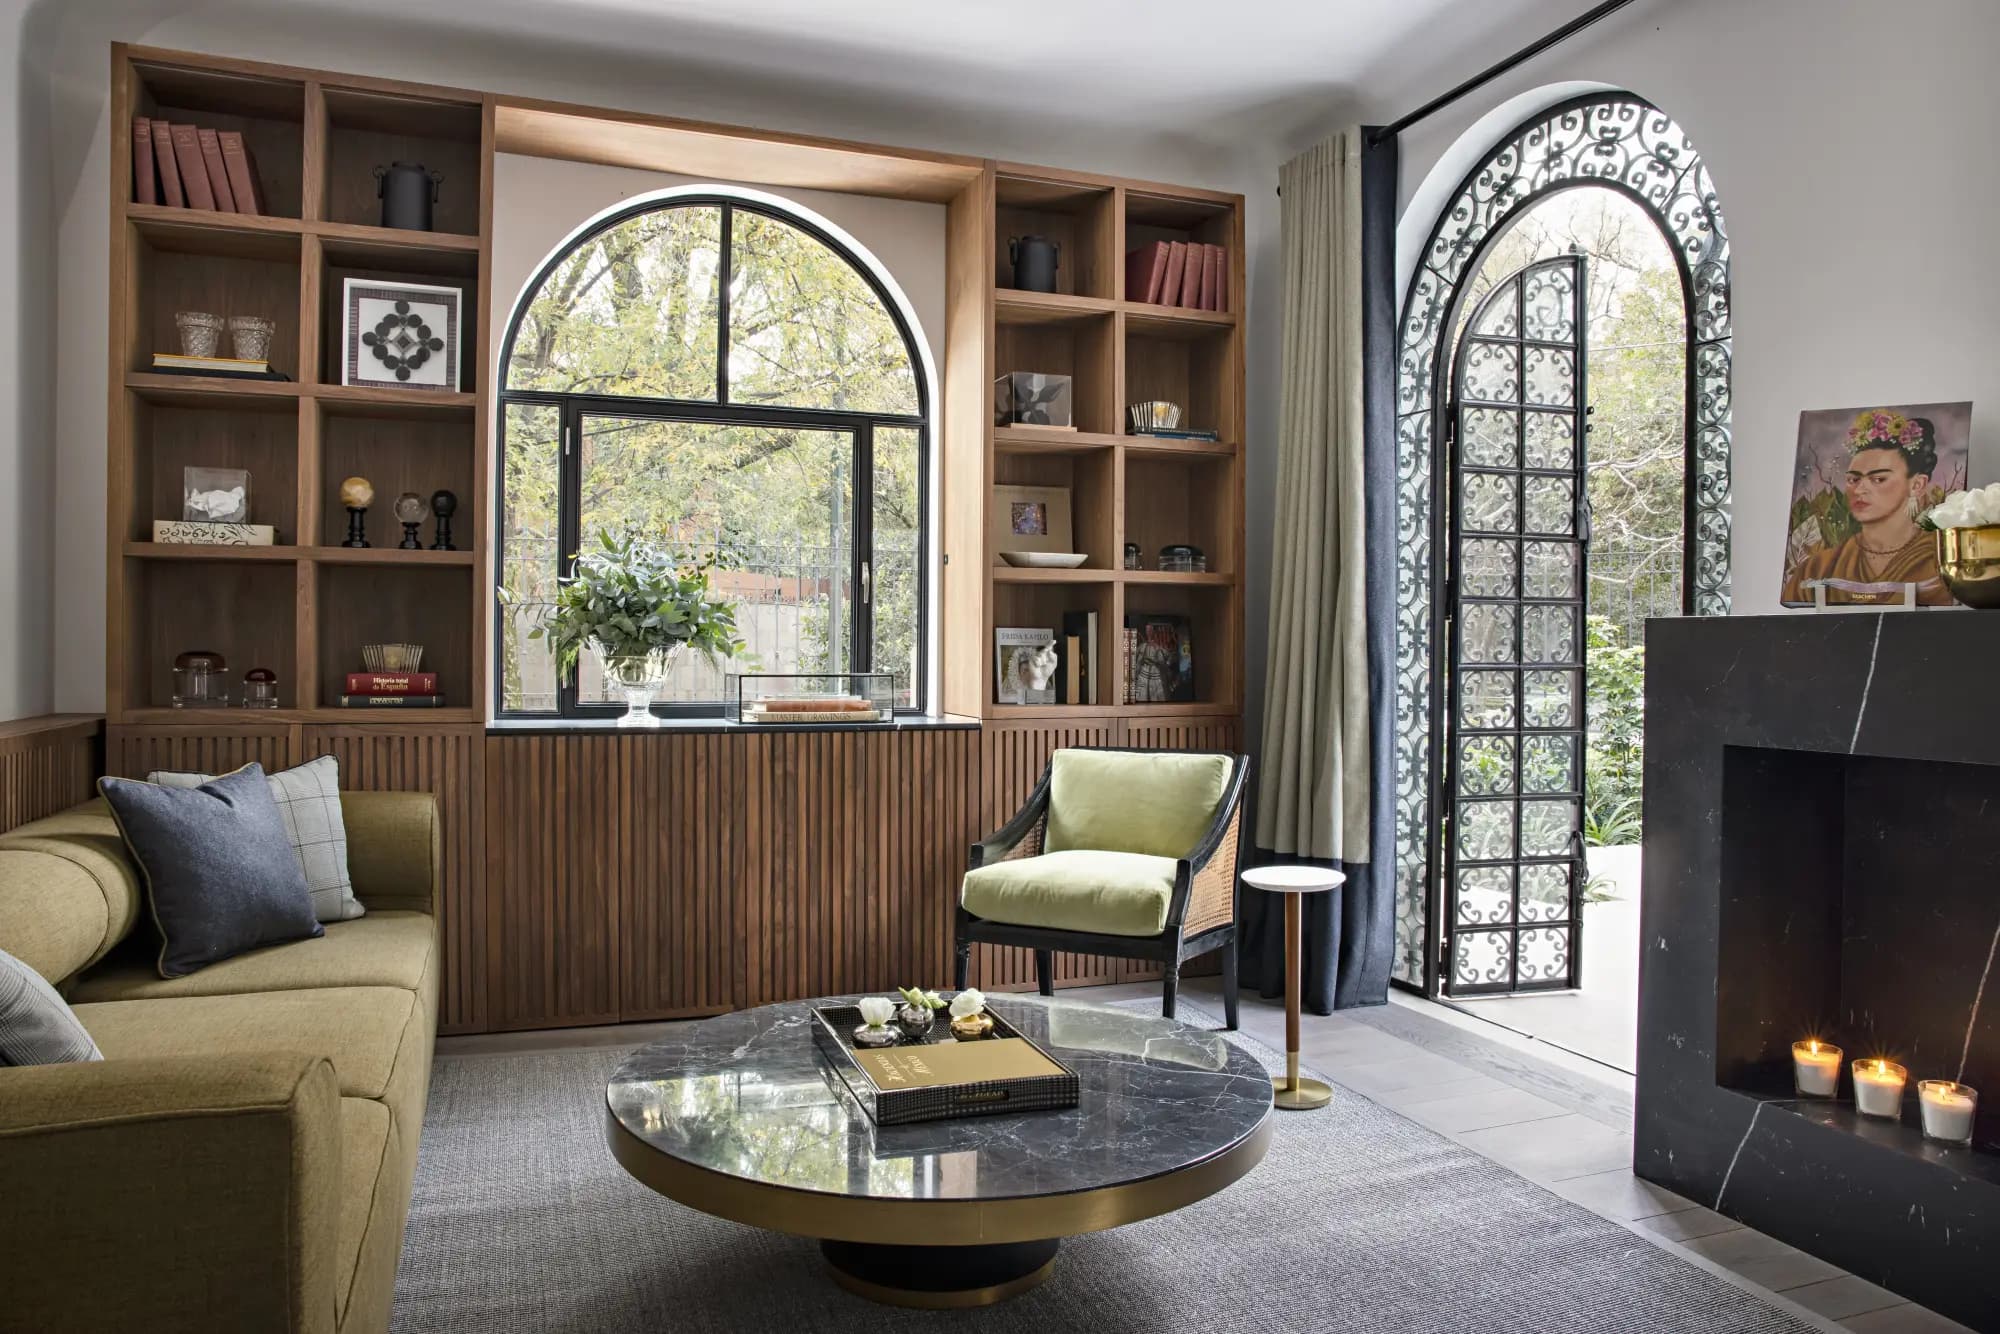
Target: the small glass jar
pixel 1180 558
pixel 260 688
pixel 1134 558
pixel 199 682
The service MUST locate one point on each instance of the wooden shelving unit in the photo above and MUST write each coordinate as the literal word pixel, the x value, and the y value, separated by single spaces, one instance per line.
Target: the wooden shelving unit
pixel 1148 490
pixel 306 606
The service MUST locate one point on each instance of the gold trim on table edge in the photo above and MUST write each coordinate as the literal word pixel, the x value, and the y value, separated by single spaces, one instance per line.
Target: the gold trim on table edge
pixel 904 1222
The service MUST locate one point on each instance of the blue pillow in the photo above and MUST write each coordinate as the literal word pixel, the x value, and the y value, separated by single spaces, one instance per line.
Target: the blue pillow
pixel 220 871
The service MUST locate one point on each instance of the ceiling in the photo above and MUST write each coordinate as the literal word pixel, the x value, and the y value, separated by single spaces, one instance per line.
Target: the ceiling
pixel 1208 69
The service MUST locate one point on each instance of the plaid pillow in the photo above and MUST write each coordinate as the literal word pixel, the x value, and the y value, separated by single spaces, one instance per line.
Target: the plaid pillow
pixel 308 800
pixel 37 1027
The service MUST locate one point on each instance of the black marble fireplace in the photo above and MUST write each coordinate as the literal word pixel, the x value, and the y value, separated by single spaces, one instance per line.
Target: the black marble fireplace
pixel 1822 859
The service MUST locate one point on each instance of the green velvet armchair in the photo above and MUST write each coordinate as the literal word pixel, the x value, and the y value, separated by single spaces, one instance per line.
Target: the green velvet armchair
pixel 1131 853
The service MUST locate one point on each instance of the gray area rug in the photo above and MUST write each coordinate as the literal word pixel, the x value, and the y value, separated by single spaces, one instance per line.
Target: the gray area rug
pixel 1357 1220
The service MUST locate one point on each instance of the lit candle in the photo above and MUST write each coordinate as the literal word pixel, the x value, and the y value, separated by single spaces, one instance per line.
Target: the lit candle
pixel 1878 1088
pixel 1947 1108
pixel 1816 1068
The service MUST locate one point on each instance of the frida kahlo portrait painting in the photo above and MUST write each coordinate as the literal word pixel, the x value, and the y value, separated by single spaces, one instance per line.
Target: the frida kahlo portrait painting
pixel 1864 478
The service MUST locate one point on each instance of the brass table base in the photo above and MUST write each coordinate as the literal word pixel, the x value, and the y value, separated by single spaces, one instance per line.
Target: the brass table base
pixel 1302 1096
pixel 939 1278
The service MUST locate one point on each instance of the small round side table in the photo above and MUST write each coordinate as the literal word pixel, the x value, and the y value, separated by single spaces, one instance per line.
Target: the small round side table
pixel 1295 1093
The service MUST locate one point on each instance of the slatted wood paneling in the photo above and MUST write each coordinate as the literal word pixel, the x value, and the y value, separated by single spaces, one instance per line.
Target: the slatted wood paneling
pixel 134 751
pixel 674 865
pixel 47 765
pixel 448 762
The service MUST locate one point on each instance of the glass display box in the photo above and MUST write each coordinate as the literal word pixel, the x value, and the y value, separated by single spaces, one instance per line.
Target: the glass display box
pixel 821 698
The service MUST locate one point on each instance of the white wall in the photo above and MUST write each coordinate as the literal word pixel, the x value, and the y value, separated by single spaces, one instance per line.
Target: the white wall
pixel 1850 143
pixel 76 55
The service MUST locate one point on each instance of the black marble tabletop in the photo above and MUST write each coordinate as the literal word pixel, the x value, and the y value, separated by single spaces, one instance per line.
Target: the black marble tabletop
pixel 748 1095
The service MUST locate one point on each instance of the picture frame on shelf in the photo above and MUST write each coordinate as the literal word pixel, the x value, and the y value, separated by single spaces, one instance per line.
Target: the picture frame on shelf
pixel 397 335
pixel 1024 665
pixel 1031 518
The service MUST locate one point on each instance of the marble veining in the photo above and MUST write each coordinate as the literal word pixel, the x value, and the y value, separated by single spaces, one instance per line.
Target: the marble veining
pixel 748 1094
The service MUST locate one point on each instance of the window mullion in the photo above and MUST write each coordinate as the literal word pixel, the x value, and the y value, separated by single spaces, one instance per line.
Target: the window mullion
pixel 725 269
pixel 569 529
pixel 861 654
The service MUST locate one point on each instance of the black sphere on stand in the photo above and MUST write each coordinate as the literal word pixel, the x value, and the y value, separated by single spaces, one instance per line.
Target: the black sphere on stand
pixel 443 503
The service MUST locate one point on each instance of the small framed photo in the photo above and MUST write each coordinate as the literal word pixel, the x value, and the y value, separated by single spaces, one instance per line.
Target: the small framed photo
pixel 1031 518
pixel 215 495
pixel 400 335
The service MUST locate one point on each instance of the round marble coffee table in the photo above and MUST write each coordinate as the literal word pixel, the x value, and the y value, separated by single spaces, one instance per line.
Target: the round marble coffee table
pixel 740 1117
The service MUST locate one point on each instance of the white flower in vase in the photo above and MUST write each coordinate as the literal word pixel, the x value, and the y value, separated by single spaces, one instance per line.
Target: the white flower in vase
pixel 967 1002
pixel 876 1011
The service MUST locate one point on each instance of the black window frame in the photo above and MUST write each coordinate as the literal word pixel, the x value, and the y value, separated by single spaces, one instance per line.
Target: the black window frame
pixel 859 426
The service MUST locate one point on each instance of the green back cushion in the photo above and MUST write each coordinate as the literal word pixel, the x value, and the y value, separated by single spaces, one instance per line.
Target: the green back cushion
pixel 1156 803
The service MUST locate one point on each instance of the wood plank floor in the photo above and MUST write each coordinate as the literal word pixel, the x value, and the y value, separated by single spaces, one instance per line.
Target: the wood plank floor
pixel 1556 1119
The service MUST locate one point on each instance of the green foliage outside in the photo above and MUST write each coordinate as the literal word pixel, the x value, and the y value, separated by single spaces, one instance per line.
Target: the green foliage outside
pixel 633 312
pixel 1615 746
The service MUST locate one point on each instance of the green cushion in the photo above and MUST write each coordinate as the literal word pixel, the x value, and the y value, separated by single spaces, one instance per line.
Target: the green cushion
pixel 1151 802
pixel 1111 893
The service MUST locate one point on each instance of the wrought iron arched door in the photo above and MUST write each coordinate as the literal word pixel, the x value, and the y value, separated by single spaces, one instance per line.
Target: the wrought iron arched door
pixel 1519 534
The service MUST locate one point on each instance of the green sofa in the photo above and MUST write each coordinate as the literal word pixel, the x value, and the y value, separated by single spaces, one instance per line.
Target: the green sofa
pixel 242 1157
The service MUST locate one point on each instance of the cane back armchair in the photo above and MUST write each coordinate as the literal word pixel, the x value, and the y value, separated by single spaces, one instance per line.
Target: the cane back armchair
pixel 1131 853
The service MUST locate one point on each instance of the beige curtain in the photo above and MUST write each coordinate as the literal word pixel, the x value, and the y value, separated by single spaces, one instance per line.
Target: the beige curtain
pixel 1313 797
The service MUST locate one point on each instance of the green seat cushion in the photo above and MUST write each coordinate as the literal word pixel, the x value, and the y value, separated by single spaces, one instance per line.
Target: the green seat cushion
pixel 1156 803
pixel 1110 893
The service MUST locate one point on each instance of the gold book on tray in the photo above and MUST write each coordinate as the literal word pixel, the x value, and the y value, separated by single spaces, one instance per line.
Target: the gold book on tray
pixel 940 1079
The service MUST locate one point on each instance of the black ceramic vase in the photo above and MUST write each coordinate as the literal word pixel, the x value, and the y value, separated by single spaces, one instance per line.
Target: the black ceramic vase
pixel 407 191
pixel 1035 260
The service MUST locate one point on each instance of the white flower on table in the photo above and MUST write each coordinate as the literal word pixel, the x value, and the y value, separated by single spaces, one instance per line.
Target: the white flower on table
pixel 967 1002
pixel 876 1011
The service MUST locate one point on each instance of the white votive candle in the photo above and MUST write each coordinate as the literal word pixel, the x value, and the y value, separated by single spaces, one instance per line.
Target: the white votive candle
pixel 1816 1068
pixel 1878 1088
pixel 1948 1109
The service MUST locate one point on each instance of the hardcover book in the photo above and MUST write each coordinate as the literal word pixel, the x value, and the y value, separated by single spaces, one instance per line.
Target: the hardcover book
pixel 392 683
pixel 218 174
pixel 1190 293
pixel 1162 659
pixel 244 187
pixel 1018 663
pixel 1170 281
pixel 170 175
pixel 186 532
pixel 1146 271
pixel 931 1064
pixel 194 173
pixel 392 701
pixel 145 177
pixel 1209 255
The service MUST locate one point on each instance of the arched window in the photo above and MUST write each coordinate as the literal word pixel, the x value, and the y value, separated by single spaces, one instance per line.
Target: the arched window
pixel 737 378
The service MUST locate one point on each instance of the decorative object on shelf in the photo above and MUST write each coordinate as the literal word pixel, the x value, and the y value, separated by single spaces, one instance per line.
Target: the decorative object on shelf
pixel 1193 274
pixel 1967 532
pixel 1031 518
pixel 407 191
pixel 638 609
pixel 918 1014
pixel 392 658
pixel 443 504
pixel 400 335
pixel 1815 1068
pixel 1180 558
pixel 1162 667
pixel 260 688
pixel 1878 1088
pixel 215 495
pixel 356 493
pixel 1032 398
pixel 1024 666
pixel 410 510
pixel 178 532
pixel 250 337
pixel 1204 436
pixel 1044 560
pixel 200 332
pixel 1862 480
pixel 1153 415
pixel 1948 1109
pixel 874 1030
pixel 1135 559
pixel 969 1019
pixel 1035 260
pixel 842 698
pixel 199 682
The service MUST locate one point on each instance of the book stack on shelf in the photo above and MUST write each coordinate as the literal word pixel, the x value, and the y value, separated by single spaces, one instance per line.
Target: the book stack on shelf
pixel 1193 275
pixel 390 680
pixel 190 166
pixel 235 368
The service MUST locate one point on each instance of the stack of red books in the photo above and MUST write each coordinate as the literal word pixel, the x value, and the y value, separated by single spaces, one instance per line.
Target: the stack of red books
pixel 392 690
pixel 1190 274
pixel 186 166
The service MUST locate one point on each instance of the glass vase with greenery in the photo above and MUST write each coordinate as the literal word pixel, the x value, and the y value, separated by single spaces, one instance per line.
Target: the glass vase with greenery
pixel 639 609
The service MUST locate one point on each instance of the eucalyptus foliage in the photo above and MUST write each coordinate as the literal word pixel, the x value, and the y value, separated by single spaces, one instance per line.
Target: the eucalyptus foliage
pixel 629 599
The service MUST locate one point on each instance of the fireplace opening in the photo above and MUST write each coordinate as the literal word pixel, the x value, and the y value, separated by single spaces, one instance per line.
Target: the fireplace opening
pixel 1860 905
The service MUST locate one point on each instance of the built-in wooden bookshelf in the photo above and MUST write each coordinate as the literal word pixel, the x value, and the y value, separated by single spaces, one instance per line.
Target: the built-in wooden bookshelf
pixel 304 607
pixel 1123 487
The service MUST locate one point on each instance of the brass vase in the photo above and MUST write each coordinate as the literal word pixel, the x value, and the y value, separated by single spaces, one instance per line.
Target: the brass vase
pixel 1969 560
pixel 968 1027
